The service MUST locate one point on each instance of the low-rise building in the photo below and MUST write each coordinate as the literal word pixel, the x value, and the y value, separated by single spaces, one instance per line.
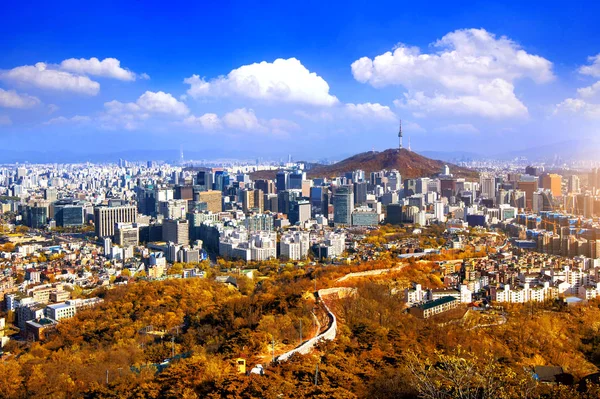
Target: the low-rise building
pixel 434 307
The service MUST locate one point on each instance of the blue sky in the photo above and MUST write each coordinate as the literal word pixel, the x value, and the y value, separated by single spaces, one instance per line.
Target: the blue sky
pixel 314 80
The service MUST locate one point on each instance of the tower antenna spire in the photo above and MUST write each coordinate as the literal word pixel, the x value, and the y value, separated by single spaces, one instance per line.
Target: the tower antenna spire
pixel 409 144
pixel 400 134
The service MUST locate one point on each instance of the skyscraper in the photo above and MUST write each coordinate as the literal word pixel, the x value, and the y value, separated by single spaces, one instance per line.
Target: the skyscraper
pixel 552 182
pixel 299 211
pixel 176 231
pixel 281 180
pixel 212 198
pixel 574 184
pixel 488 187
pixel 106 217
pixel 343 204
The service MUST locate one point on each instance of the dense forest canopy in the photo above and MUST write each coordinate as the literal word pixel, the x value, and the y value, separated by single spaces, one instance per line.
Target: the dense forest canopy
pixel 380 351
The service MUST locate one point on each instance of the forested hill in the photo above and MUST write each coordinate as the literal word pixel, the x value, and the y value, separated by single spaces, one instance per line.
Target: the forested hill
pixel 410 165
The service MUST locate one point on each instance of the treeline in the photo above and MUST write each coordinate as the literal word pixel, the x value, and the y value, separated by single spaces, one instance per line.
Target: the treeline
pixel 380 351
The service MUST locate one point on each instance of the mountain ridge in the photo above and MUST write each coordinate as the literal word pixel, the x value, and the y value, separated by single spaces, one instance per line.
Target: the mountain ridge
pixel 409 163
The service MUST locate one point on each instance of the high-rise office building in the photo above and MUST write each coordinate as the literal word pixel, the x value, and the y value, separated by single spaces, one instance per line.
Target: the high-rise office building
pixel 343 205
pixel 295 180
pixel 107 217
pixel 267 186
pixel 221 180
pixel 37 216
pixel 247 199
pixel 173 209
pixel 50 194
pixel 528 187
pixel 574 184
pixel 281 180
pixel 552 182
pixel 284 198
pixel 203 180
pixel 127 234
pixel 184 193
pixel 212 198
pixel 360 193
pixel 299 211
pixel 176 231
pixel 259 200
pixel 488 187
pixel 69 213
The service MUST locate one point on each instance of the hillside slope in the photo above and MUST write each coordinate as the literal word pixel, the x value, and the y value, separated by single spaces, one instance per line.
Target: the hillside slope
pixel 410 164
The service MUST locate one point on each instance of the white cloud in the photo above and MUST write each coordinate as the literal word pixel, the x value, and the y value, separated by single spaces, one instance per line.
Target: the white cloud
pixel 586 105
pixel 45 78
pixel 150 102
pixel 578 107
pixel 494 100
pixel 467 66
pixel 161 102
pixel 243 119
pixel 5 120
pixel 589 91
pixel 52 108
pixel 458 128
pixel 208 121
pixel 12 99
pixel 370 111
pixel 130 115
pixel 282 80
pixel 144 76
pixel 77 119
pixel 593 69
pixel 108 67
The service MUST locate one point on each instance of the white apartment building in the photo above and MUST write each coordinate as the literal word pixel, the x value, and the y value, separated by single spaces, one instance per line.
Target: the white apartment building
pixel 295 245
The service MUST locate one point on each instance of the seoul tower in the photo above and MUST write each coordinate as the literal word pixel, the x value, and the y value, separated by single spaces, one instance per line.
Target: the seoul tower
pixel 400 134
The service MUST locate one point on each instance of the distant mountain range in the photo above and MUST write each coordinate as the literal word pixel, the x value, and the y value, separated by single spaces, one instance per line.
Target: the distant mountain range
pixel 575 149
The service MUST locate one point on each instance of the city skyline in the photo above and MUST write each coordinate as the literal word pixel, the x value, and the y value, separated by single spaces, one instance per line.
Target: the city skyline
pixel 257 82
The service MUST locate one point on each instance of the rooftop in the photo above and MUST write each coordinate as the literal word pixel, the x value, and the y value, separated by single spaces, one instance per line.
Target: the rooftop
pixel 438 302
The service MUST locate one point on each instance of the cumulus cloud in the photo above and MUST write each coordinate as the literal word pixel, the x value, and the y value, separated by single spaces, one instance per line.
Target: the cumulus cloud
pixel 243 119
pixel 282 80
pixel 208 121
pixel 494 100
pixel 150 102
pixel 576 106
pixel 370 111
pixel 130 115
pixel 458 128
pixel 5 120
pixel 161 102
pixel 586 104
pixel 12 99
pixel 590 91
pixel 108 67
pixel 594 68
pixel 467 65
pixel 43 77
pixel 77 119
